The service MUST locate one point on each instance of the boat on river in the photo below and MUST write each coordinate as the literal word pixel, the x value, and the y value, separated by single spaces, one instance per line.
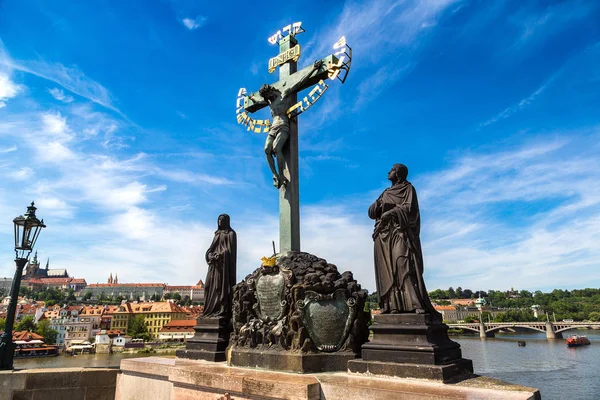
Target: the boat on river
pixel 576 341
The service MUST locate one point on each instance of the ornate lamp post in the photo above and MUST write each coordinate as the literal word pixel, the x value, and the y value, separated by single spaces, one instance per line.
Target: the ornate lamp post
pixel 27 230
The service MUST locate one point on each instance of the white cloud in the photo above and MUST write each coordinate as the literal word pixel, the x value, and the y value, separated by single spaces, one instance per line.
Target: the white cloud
pixel 54 207
pixel 55 125
pixel 9 149
pixel 194 23
pixel 70 78
pixel 8 89
pixel 60 95
pixel 515 218
pixel 22 173
pixel 523 103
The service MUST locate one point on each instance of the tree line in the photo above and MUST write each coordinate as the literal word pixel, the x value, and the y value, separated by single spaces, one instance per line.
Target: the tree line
pixel 577 304
pixel 28 324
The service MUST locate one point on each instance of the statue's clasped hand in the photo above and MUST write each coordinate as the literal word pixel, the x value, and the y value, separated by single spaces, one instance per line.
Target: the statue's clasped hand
pixel 318 64
pixel 386 216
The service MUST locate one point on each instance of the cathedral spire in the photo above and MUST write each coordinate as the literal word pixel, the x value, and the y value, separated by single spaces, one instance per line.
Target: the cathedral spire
pixel 110 278
pixel 116 279
pixel 35 260
pixel 47 263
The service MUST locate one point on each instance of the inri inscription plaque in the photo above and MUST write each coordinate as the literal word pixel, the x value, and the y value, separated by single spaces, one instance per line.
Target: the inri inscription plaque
pixel 328 318
pixel 270 295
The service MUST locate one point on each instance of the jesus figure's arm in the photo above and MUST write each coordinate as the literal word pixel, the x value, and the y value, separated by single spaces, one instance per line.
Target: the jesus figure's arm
pixel 298 85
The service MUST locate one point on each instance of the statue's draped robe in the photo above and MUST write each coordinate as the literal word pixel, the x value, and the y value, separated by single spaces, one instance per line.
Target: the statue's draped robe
pixel 397 247
pixel 221 276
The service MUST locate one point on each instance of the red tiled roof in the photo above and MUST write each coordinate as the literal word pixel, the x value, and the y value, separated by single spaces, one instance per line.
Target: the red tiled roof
pixel 181 322
pixel 160 306
pixel 179 325
pixel 26 335
pixel 445 308
pixel 55 280
pixel 98 285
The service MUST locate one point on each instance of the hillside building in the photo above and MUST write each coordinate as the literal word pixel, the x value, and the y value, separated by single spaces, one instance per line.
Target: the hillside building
pixel 156 315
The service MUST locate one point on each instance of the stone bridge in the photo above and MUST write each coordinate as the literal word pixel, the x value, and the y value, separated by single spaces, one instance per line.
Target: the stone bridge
pixel 553 330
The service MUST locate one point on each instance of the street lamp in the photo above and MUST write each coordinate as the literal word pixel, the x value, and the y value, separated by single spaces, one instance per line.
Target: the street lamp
pixel 27 230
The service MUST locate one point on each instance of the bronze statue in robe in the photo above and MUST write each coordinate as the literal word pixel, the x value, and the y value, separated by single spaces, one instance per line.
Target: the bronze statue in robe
pixel 397 247
pixel 221 258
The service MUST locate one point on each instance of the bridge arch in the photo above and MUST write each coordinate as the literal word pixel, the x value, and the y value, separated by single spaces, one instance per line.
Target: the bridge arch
pixel 466 328
pixel 568 328
pixel 497 328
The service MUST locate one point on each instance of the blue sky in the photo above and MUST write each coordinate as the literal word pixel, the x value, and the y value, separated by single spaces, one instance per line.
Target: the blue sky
pixel 118 119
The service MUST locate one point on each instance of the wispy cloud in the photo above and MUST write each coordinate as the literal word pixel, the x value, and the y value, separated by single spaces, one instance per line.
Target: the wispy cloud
pixel 538 25
pixel 8 88
pixel 497 219
pixel 70 78
pixel 60 95
pixel 523 103
pixel 194 23
pixel 565 71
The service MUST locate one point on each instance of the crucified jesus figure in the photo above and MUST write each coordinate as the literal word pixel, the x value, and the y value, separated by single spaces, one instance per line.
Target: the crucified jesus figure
pixel 279 103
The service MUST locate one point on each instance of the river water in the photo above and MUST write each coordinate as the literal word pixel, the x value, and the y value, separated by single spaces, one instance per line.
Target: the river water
pixel 549 365
pixel 558 371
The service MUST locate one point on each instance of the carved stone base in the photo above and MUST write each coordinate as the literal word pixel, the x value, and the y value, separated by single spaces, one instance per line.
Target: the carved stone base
pixel 453 372
pixel 411 345
pixel 290 361
pixel 209 342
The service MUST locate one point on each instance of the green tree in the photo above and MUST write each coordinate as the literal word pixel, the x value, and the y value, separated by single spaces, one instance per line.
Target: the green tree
pixel 470 319
pixel 166 296
pixel 594 316
pixel 2 323
pixel 44 329
pixel 176 296
pixel 439 294
pixel 459 292
pixel 71 295
pixel 137 328
pixel 451 293
pixel 26 324
pixel 87 295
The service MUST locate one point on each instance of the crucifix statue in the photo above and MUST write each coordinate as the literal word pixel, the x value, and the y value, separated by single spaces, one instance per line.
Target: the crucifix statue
pixel 282 133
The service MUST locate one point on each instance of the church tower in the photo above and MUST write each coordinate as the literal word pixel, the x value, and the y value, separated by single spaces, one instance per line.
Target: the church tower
pixel 32 268
pixel 116 279
pixel 110 278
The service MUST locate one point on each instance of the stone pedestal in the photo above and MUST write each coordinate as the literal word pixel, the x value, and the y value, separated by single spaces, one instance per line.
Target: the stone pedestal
pixel 177 379
pixel 210 340
pixel 290 361
pixel 411 346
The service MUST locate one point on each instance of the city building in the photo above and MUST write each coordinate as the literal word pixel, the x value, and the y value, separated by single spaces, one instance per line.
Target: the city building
pixel 77 332
pixel 35 272
pixel 177 330
pixel 195 292
pixel 38 279
pixel 156 315
pixel 5 286
pixel 129 291
pixel 92 314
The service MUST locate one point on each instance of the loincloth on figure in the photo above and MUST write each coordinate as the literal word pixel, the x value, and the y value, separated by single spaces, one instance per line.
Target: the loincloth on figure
pixel 279 134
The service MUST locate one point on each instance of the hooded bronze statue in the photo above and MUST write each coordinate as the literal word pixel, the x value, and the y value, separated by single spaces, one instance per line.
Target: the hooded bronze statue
pixel 220 279
pixel 397 247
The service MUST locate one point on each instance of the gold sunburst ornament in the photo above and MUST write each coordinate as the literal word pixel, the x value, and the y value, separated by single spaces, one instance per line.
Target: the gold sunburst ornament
pixel 269 261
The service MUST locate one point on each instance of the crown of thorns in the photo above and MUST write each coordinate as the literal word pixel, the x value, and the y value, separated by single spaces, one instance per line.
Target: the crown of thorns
pixel 266 89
